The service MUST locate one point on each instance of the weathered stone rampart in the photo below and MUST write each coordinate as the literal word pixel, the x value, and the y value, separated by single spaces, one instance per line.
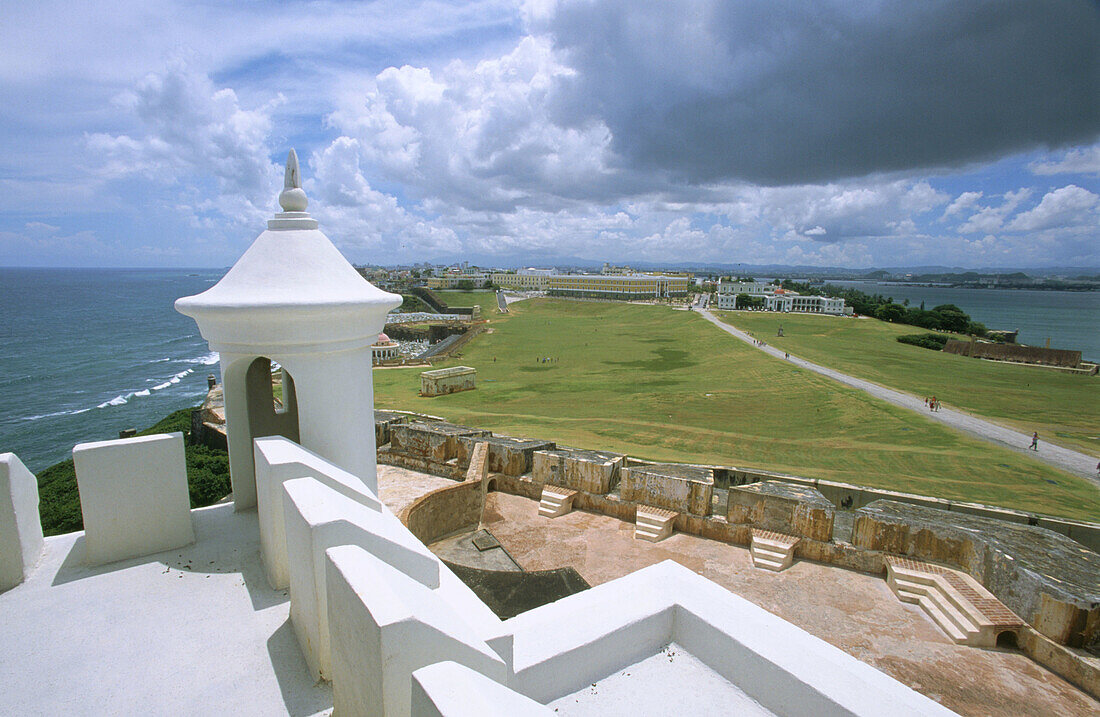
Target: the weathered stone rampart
pixel 436 441
pixel 782 507
pixel 671 486
pixel 591 471
pixel 1047 579
pixel 1015 352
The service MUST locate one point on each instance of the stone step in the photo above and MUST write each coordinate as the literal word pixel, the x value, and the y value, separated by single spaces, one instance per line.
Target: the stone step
pixel 771 550
pixel 965 616
pixel 932 610
pixel 768 551
pixel 955 601
pixel 768 564
pixel 960 620
pixel 778 545
pixel 653 524
pixel 556 501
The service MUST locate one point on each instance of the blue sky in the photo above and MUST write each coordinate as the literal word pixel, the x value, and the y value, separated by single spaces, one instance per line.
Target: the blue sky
pixel 828 133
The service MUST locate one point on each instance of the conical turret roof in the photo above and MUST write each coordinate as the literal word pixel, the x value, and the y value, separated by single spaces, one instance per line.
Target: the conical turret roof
pixel 291 287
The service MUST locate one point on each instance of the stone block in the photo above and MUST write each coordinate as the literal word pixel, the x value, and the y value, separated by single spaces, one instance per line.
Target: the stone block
pixel 277 460
pixel 133 494
pixel 548 467
pixel 436 441
pixel 384 421
pixel 20 527
pixel 589 471
pixel 672 486
pixel 443 381
pixel 782 507
pixel 510 456
pixel 451 689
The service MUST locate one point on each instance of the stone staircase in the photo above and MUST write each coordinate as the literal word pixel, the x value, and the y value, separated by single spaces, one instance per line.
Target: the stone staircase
pixel 771 550
pixel 653 524
pixel 956 602
pixel 556 501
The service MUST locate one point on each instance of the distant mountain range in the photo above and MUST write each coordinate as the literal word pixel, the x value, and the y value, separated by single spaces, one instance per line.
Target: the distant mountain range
pixel 834 272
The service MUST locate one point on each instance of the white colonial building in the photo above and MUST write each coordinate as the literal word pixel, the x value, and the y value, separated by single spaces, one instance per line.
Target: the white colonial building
pixel 776 298
pixel 804 304
pixel 384 349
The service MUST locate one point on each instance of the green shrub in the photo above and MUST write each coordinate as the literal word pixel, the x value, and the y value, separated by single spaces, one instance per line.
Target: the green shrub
pixel 935 342
pixel 207 479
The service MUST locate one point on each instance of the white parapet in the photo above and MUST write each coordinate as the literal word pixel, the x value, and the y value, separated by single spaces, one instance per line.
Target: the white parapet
pixel 385 626
pixel 20 525
pixel 318 518
pixel 448 689
pixel 133 495
pixel 278 460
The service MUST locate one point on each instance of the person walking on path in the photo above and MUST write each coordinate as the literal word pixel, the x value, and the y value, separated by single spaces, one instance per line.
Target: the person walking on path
pixel 1034 441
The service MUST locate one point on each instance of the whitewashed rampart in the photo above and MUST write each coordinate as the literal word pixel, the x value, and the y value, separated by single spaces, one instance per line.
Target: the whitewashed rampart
pixel 133 495
pixel 20 527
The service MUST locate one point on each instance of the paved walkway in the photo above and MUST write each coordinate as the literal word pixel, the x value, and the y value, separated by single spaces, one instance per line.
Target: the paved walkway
pixel 1079 464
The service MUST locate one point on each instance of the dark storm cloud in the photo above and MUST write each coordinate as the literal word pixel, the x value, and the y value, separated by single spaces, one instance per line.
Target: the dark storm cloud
pixel 780 92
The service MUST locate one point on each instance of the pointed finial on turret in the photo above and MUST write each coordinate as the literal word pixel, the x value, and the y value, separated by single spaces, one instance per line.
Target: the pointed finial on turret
pixel 293 197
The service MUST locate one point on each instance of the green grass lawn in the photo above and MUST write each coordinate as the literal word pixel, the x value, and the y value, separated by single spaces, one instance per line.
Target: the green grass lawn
pixel 487 300
pixel 1064 408
pixel 663 384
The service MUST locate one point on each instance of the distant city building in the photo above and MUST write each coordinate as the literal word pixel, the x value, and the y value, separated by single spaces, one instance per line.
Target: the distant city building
pixel 384 349
pixel 632 286
pixel 612 270
pixel 523 280
pixel 453 281
pixel 602 286
pixel 805 304
pixel 776 298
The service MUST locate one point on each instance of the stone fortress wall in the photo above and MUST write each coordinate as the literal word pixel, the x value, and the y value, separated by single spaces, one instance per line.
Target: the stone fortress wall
pixel 1014 352
pixel 1026 561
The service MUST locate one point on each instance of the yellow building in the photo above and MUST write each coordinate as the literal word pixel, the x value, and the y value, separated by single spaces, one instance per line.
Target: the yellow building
pixel 633 286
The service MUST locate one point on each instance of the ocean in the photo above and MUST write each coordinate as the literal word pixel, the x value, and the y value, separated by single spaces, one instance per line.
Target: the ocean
pixel 85 353
pixel 1070 319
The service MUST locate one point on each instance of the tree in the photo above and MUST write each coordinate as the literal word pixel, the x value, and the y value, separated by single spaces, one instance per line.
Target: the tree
pixel 744 301
pixel 466 285
pixel 952 318
pixel 893 313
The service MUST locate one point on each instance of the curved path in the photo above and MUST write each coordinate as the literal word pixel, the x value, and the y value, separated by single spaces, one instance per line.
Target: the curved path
pixel 1079 464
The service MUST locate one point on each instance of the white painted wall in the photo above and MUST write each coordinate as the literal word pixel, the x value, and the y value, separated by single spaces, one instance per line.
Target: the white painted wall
pixel 277 460
pixel 20 525
pixel 133 494
pixel 318 518
pixel 448 689
pixel 385 626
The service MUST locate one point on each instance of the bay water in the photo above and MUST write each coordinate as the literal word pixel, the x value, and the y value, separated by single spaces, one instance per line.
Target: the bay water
pixel 1070 319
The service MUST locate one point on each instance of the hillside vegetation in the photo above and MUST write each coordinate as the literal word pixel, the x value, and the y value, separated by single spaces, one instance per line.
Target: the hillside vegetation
pixel 207 479
pixel 663 384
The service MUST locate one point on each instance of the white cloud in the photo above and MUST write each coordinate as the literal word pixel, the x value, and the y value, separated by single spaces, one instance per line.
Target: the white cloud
pixel 988 219
pixel 963 202
pixel 1070 206
pixel 1080 160
pixel 193 129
